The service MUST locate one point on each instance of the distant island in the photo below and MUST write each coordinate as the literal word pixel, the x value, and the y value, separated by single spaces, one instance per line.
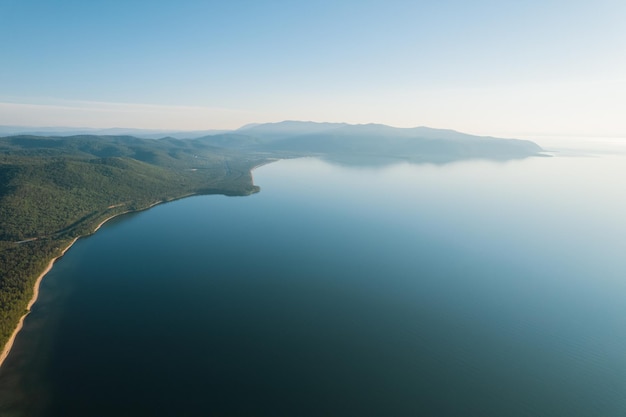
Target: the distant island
pixel 57 184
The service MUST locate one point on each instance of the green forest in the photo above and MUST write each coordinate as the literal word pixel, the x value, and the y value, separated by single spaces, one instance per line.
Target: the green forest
pixel 54 189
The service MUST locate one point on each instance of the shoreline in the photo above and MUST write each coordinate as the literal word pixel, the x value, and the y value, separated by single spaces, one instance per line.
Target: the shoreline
pixel 6 350
pixel 9 344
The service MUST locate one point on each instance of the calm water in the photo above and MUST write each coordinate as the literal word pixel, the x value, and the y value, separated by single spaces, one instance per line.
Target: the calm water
pixel 474 288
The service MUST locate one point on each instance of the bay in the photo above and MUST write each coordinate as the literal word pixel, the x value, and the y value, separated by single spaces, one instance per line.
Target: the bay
pixel 471 288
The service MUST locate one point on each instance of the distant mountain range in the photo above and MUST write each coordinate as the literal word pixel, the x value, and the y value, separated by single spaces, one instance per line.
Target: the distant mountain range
pixel 332 140
pixel 419 144
pixel 115 131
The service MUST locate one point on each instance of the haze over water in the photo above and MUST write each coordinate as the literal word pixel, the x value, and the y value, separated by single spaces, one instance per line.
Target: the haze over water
pixel 471 288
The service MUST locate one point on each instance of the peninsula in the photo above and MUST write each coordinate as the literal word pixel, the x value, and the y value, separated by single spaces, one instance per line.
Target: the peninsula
pixel 56 187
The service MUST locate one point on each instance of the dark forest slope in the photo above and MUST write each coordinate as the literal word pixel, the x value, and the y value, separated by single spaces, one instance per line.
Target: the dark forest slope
pixel 54 189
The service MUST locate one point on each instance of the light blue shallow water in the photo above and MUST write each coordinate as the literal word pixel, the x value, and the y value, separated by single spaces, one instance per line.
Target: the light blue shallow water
pixel 474 288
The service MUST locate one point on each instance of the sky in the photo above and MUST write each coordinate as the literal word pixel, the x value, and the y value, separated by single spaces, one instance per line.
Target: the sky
pixel 508 68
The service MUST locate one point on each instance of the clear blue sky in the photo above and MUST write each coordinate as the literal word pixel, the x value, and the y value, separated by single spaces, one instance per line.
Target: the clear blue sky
pixel 492 67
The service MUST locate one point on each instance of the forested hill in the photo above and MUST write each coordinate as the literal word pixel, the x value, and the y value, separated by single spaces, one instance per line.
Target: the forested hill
pixel 53 189
pixel 48 184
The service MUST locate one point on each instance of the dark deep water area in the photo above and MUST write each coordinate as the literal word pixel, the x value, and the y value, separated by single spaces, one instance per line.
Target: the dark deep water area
pixel 467 289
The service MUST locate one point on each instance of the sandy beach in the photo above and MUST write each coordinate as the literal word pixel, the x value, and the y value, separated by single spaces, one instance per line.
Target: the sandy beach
pixel 7 347
pixel 9 344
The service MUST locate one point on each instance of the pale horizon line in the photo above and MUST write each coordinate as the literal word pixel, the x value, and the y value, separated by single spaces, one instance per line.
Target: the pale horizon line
pixel 202 118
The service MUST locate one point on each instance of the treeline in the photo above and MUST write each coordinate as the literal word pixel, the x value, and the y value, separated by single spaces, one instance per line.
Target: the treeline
pixel 48 196
pixel 21 264
pixel 55 189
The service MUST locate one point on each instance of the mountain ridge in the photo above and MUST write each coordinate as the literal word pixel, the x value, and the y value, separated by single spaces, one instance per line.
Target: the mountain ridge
pixel 292 138
pixel 415 144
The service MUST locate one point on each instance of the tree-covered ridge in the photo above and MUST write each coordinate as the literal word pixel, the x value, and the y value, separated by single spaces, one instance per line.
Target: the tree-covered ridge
pixel 50 184
pixel 54 189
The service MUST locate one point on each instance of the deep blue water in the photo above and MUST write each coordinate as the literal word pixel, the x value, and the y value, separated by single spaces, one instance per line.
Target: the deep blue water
pixel 473 288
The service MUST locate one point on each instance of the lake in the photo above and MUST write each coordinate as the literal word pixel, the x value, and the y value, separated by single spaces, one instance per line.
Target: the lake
pixel 471 288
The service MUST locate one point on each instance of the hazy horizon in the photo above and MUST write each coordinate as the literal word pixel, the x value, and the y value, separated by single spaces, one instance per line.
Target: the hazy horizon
pixel 537 68
pixel 541 137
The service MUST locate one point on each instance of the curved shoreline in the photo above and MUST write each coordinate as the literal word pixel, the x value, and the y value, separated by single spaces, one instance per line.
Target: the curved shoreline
pixel 9 344
pixel 6 350
pixel 20 324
